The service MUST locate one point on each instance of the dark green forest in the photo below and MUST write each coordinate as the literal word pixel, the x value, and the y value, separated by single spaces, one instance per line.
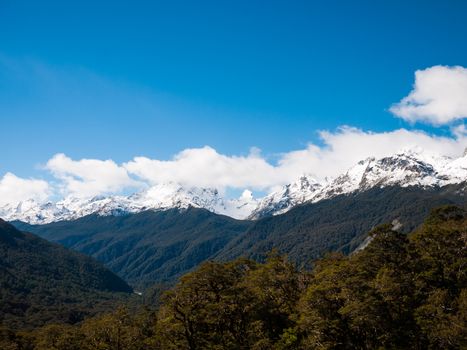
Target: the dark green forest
pixel 403 291
pixel 160 246
pixel 147 247
pixel 341 223
pixel 43 282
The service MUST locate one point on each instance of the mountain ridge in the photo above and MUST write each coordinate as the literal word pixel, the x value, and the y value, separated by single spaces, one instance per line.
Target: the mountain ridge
pixel 159 246
pixel 405 168
pixel 152 246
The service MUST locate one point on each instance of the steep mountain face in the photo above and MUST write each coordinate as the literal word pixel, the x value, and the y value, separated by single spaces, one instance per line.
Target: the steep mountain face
pixel 404 169
pixel 42 281
pixel 146 247
pixel 289 196
pixel 340 223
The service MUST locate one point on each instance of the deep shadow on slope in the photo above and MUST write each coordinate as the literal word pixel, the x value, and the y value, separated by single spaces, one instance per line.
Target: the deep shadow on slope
pixel 160 246
pixel 42 281
pixel 147 247
pixel 309 231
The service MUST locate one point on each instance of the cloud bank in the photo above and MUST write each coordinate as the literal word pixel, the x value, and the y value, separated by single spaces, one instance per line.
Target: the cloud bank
pixel 14 189
pixel 89 177
pixel 439 96
pixel 341 149
pixel 205 167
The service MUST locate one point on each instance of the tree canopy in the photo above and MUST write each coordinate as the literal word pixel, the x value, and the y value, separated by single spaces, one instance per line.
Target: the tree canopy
pixel 399 292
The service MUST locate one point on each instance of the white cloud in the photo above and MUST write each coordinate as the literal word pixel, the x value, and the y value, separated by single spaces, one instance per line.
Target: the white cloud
pixel 89 177
pixel 205 167
pixel 439 96
pixel 346 146
pixel 459 131
pixel 341 149
pixel 14 189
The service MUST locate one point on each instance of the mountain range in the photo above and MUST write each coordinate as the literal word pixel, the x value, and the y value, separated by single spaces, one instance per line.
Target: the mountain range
pixel 158 198
pixel 159 234
pixel 159 246
pixel 406 168
pixel 149 246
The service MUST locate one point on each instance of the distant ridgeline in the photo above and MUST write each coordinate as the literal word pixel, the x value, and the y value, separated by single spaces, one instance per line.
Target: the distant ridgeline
pixel 159 246
pixel 401 291
pixel 409 168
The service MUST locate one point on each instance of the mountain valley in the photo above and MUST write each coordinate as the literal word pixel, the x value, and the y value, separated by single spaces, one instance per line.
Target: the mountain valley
pixel 159 234
pixel 45 282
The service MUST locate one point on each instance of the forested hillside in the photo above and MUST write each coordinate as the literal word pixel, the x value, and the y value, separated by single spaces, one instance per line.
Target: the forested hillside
pixel 43 282
pixel 147 247
pixel 159 246
pixel 400 292
pixel 340 224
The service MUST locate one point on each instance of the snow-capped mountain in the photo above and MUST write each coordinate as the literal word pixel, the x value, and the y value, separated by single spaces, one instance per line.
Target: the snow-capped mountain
pixel 160 197
pixel 407 168
pixel 278 202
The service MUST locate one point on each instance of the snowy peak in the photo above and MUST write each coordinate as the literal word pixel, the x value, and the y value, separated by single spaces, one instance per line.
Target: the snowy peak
pixel 160 197
pixel 172 195
pixel 300 191
pixel 406 168
pixel 403 169
pixel 414 169
pixel 67 209
pixel 400 169
pixel 306 185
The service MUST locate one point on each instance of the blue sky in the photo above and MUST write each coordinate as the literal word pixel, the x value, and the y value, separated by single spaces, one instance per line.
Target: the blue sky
pixel 119 79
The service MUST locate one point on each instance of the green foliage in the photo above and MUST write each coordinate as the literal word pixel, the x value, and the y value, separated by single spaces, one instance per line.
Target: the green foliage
pixel 208 306
pixel 114 331
pixel 148 247
pixel 154 247
pixel 400 292
pixel 237 305
pixel 309 231
pixel 42 282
